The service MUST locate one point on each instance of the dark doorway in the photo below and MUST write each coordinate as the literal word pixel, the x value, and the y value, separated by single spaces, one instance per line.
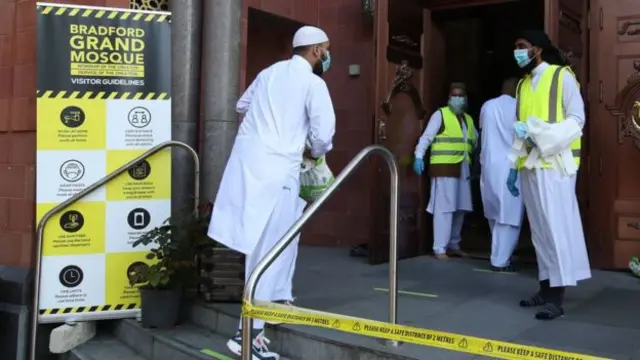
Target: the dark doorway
pixel 478 47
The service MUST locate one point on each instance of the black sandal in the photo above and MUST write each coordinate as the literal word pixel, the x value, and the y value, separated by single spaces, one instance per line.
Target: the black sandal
pixel 536 300
pixel 503 269
pixel 550 312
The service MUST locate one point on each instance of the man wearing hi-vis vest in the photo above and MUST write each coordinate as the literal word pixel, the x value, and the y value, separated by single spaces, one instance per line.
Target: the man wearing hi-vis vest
pixel 546 155
pixel 452 137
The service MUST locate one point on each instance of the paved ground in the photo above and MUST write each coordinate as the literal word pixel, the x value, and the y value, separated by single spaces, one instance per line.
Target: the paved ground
pixel 603 314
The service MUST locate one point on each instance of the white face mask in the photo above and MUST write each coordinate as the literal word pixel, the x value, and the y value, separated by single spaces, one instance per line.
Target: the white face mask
pixel 522 57
pixel 457 103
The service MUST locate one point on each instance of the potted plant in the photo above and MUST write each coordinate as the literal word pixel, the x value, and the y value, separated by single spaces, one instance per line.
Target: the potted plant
pixel 174 253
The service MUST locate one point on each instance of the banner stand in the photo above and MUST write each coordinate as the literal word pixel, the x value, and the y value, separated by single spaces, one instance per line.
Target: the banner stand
pixel 103 98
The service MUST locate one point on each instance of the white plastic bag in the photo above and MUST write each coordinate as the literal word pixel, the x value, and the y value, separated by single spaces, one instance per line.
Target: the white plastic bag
pixel 315 178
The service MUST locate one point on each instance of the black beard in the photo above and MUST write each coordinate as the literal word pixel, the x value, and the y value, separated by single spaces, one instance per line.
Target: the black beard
pixel 530 66
pixel 317 69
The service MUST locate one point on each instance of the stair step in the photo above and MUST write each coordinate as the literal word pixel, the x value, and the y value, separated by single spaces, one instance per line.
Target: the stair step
pixel 102 348
pixel 184 342
pixel 310 343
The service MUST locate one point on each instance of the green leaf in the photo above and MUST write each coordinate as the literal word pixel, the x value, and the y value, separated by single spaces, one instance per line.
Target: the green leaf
pixel 151 256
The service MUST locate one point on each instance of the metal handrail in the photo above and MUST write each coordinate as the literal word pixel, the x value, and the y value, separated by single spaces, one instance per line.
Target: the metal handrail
pixel 35 312
pixel 278 248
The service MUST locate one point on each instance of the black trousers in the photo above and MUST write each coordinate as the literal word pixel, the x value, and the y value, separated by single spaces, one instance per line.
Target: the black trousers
pixel 554 295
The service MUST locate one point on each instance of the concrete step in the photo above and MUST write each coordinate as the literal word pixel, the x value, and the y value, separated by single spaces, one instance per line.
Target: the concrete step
pixel 311 343
pixel 102 348
pixel 184 342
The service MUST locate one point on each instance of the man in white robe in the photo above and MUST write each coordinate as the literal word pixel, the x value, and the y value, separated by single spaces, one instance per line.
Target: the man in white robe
pixel 450 197
pixel 287 104
pixel 549 195
pixel 503 211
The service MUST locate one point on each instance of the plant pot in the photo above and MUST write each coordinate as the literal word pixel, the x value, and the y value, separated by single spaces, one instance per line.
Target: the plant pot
pixel 159 308
pixel 221 275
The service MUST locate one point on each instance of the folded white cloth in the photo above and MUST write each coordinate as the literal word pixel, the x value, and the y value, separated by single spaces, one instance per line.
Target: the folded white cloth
pixel 553 145
pixel 553 139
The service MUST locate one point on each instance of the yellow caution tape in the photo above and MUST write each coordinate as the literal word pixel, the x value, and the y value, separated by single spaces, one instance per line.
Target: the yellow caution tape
pixel 468 344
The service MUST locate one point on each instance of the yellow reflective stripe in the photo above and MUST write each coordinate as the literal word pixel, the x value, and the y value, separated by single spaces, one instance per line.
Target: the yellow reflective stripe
pixel 447 152
pixel 448 140
pixel 553 96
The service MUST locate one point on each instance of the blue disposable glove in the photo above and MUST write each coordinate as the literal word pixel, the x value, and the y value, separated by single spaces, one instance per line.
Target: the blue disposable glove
pixel 418 166
pixel 520 129
pixel 511 182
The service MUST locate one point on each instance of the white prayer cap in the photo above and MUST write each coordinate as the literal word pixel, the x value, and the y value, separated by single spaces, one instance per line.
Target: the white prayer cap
pixel 309 35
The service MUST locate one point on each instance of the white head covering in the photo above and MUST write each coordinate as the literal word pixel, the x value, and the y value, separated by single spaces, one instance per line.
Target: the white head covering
pixel 309 35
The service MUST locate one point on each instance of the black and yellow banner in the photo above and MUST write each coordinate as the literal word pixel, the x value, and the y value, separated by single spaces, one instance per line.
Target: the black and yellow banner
pixel 103 99
pixel 103 50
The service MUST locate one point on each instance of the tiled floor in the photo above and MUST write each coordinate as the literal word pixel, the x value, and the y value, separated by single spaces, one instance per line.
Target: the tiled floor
pixel 603 313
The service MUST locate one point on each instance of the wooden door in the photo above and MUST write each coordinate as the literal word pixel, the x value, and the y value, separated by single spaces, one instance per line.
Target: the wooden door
pixel 567 23
pixel 615 91
pixel 398 121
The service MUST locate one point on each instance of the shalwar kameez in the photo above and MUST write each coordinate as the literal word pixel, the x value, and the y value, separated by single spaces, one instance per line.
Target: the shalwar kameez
pixel 503 211
pixel 549 183
pixel 258 199
pixel 450 194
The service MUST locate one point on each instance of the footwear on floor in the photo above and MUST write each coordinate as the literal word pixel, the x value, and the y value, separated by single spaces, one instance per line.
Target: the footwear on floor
pixel 503 269
pixel 457 253
pixel 535 300
pixel 441 256
pixel 549 312
pixel 259 347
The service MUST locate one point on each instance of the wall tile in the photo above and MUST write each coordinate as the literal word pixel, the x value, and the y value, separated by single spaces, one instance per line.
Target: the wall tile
pixel 23 114
pixel 6 50
pixel 7 18
pixel 25 15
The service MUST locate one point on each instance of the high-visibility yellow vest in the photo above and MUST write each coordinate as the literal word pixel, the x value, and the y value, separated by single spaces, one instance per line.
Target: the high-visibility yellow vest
pixel 544 103
pixel 450 147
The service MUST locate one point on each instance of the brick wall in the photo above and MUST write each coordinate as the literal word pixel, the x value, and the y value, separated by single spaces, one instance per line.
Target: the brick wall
pixel 18 126
pixel 346 218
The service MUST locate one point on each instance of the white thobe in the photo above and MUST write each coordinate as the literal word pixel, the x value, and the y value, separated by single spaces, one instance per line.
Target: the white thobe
pixel 258 201
pixel 450 197
pixel 552 206
pixel 503 211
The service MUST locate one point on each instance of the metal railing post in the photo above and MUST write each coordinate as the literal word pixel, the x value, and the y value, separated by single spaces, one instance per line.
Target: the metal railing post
pixel 35 311
pixel 261 267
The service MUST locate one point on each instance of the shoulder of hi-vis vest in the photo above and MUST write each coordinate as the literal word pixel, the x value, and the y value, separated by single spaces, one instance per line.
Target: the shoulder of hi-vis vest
pixel 450 146
pixel 544 102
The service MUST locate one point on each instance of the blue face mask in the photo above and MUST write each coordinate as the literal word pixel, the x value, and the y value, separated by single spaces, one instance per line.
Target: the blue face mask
pixel 457 103
pixel 326 62
pixel 522 57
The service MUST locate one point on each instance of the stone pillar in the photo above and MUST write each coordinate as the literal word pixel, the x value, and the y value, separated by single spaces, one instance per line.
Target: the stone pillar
pixel 222 35
pixel 186 42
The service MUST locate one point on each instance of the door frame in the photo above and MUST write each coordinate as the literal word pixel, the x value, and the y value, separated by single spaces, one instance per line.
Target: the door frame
pixel 388 82
pixel 381 89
